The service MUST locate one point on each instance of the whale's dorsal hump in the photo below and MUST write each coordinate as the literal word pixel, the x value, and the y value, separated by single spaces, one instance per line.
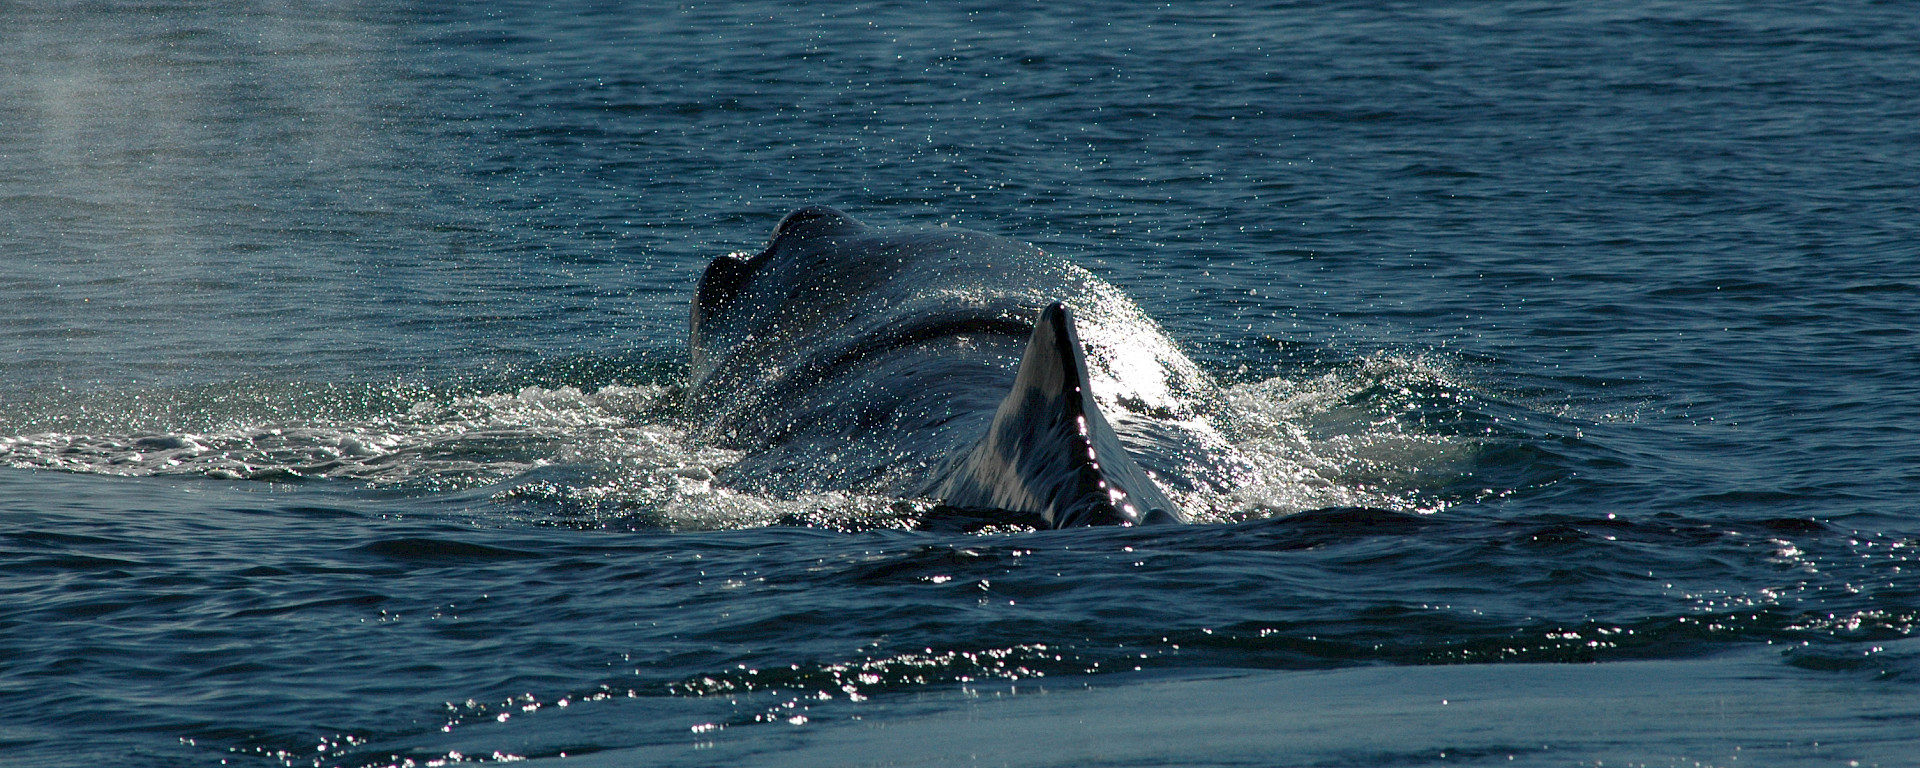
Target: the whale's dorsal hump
pixel 814 221
pixel 1050 452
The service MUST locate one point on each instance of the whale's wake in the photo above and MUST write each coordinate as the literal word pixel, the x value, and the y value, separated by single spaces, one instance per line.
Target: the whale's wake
pixel 617 456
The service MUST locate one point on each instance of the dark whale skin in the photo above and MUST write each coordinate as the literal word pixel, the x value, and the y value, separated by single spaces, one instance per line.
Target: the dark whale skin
pixel 890 361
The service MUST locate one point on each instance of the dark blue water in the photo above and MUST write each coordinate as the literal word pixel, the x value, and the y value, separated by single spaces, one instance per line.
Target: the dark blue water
pixel 341 348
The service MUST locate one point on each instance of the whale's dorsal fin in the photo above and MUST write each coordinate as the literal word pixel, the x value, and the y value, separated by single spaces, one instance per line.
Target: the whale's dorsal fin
pixel 1050 452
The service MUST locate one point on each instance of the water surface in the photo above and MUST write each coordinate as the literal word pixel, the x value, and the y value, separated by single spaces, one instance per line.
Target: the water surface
pixel 341 349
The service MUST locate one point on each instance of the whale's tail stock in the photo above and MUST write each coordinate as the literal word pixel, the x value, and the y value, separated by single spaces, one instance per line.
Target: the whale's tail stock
pixel 1050 452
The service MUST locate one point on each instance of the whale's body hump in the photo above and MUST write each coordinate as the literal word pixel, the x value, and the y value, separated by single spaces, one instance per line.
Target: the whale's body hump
pixel 950 364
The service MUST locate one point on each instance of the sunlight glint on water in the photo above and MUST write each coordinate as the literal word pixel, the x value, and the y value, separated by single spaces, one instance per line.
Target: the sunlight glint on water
pixel 339 349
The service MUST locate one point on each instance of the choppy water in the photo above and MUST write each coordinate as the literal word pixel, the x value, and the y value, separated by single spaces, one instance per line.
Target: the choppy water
pixel 341 347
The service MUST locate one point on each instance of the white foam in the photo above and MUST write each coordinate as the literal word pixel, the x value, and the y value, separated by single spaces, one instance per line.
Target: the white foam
pixel 1317 448
pixel 1336 439
pixel 456 442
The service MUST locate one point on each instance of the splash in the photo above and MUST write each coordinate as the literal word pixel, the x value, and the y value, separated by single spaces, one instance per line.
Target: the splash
pixel 1355 436
pixel 434 444
pixel 1384 432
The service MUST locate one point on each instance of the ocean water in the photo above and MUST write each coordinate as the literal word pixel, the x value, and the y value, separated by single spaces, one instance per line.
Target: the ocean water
pixel 340 349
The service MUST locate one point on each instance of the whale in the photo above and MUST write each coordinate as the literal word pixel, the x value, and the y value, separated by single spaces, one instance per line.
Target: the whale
pixel 943 363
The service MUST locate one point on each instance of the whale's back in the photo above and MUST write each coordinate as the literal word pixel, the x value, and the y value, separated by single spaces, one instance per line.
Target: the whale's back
pixel 848 358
